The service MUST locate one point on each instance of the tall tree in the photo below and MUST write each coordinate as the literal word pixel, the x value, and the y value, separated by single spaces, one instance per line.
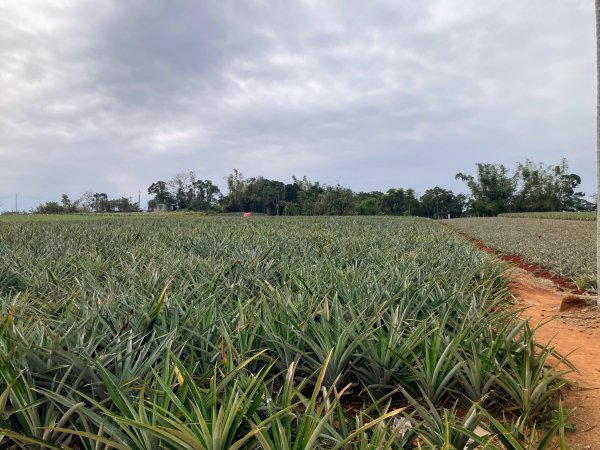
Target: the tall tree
pixel 87 201
pixel 236 185
pixel 180 187
pixel 161 194
pixel 368 203
pixel 547 188
pixel 310 197
pixel 205 195
pixel 394 202
pixel 537 188
pixel 338 200
pixel 438 203
pixel 100 201
pixel 492 191
pixel 269 194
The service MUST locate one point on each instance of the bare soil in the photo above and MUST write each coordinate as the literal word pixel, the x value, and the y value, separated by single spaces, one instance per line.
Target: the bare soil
pixel 574 332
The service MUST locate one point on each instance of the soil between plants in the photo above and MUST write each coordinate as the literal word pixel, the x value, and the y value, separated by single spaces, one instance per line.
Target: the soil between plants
pixel 574 333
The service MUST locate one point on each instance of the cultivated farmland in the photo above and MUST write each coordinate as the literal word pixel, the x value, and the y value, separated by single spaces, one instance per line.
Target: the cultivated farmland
pixel 565 215
pixel 273 333
pixel 566 247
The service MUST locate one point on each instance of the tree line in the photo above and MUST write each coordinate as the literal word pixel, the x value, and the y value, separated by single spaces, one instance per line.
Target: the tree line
pixel 529 188
pixel 493 189
pixel 89 202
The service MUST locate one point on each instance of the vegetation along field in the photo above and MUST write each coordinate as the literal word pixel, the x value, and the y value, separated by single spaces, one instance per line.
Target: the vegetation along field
pixel 197 332
pixel 563 215
pixel 566 247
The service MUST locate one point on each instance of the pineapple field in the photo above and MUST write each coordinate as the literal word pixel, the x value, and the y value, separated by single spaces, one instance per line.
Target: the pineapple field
pixel 565 247
pixel 560 215
pixel 192 332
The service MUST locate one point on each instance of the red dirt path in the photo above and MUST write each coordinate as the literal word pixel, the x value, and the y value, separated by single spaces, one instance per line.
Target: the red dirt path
pixel 575 333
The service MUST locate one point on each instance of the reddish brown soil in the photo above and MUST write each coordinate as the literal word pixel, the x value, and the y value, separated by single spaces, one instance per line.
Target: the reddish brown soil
pixel 575 333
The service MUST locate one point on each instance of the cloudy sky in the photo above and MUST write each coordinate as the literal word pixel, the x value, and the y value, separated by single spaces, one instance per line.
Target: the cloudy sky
pixel 110 96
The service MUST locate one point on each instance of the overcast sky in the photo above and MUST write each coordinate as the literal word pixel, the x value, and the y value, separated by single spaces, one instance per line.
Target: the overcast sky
pixel 110 96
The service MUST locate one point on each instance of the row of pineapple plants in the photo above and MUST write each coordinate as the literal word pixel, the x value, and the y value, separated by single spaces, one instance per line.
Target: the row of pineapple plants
pixel 565 247
pixel 588 216
pixel 282 333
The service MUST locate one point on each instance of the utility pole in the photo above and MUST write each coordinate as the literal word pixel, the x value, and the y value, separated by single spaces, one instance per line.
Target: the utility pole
pixel 139 200
pixel 598 151
pixel 16 203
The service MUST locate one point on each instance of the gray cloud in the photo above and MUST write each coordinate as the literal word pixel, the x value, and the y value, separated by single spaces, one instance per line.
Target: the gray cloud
pixel 111 96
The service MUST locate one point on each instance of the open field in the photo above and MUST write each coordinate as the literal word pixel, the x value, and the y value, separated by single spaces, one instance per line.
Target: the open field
pixel 586 216
pixel 222 332
pixel 566 247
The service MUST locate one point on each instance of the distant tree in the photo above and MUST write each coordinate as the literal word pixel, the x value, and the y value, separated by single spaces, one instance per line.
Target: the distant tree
pixel 412 203
pixel 185 191
pixel 161 194
pixel 400 202
pixel 310 197
pixel 547 188
pixel 270 193
pixel 100 202
pixel 532 187
pixel 236 186
pixel 66 202
pixel 49 208
pixel 87 201
pixel 181 187
pixel 291 192
pixel 338 200
pixel 492 191
pixel 256 194
pixel 368 203
pixel 122 204
pixel 566 184
pixel 394 202
pixel 205 195
pixel 437 203
pixel 536 189
pixel 289 204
